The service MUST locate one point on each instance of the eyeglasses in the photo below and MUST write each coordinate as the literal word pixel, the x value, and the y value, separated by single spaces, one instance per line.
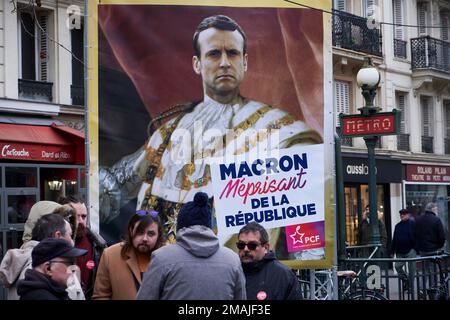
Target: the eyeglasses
pixel 144 213
pixel 251 245
pixel 67 263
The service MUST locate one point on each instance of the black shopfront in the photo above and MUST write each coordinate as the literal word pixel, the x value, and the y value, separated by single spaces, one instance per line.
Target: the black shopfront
pixel 356 190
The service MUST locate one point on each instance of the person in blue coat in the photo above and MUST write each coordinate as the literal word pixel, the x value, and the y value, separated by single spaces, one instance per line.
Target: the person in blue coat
pixel 403 244
pixel 266 277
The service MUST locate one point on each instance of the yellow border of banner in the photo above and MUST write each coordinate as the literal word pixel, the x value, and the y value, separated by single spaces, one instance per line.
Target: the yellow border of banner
pixel 93 106
pixel 319 4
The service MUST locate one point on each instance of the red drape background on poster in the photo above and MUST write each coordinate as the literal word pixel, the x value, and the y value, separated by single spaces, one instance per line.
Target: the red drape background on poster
pixel 153 45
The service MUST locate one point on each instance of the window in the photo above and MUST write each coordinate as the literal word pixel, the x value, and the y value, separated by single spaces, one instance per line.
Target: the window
pixel 397 6
pixel 340 5
pixel 399 43
pixel 447 126
pixel 28 51
pixel 342 104
pixel 368 8
pixel 35 56
pixel 77 87
pixel 445 50
pixel 422 18
pixel 445 26
pixel 403 137
pixel 427 124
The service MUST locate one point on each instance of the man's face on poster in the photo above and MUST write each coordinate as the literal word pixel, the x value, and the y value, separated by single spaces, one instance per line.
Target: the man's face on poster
pixel 222 63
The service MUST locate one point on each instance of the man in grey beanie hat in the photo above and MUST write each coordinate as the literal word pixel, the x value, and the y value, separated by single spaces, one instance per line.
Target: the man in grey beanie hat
pixel 195 267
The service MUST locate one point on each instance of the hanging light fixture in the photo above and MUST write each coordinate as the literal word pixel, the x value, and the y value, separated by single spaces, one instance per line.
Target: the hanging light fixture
pixel 54 185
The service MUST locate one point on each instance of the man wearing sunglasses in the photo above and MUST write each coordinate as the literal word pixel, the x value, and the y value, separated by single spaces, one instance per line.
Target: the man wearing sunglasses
pixel 47 280
pixel 266 277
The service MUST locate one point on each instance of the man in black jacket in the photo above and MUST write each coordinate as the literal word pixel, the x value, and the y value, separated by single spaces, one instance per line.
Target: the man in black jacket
pixel 429 231
pixel 403 244
pixel 48 278
pixel 266 277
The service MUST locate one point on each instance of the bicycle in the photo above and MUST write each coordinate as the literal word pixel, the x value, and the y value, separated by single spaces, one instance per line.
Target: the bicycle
pixel 440 291
pixel 355 290
pixel 352 288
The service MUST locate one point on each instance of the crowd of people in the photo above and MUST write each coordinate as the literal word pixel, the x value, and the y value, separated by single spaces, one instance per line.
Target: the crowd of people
pixel 51 262
pixel 57 261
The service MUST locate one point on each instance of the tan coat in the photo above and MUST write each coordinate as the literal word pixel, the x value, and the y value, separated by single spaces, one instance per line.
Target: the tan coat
pixel 116 277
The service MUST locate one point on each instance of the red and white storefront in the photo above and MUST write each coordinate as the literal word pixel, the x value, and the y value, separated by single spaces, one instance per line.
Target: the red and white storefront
pixel 37 162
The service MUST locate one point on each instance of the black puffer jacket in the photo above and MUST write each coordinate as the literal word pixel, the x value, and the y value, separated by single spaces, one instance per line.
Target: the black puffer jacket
pixel 38 286
pixel 272 280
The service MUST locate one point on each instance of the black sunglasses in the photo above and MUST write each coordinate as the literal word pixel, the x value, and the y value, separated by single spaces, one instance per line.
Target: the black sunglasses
pixel 251 245
pixel 144 213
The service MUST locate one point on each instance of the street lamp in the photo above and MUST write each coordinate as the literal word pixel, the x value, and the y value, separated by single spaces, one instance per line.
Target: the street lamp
pixel 368 78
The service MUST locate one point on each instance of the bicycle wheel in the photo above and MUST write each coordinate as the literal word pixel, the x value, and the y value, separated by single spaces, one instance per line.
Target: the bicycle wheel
pixel 366 294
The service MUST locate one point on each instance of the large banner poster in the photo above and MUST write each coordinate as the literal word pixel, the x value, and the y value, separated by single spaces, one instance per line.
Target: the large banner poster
pixel 231 98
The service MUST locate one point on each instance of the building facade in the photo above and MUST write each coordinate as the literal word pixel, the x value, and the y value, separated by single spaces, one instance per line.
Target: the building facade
pixel 42 148
pixel 408 42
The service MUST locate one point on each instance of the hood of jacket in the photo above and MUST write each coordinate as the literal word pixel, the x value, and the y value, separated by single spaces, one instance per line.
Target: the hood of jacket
pixel 35 280
pixel 14 262
pixel 198 240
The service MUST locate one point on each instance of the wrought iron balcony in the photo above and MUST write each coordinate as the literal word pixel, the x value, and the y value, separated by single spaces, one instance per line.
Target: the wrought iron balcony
pixel 77 95
pixel 35 90
pixel 430 53
pixel 427 144
pixel 403 142
pixel 400 48
pixel 345 141
pixel 351 32
pixel 447 145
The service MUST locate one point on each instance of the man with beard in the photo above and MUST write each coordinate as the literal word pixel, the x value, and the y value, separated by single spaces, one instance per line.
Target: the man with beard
pixel 87 239
pixel 196 267
pixel 266 277
pixel 122 265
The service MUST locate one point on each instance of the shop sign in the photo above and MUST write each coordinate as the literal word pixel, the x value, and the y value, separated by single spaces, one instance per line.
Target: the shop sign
pixel 357 170
pixel 427 173
pixel 36 152
pixel 383 123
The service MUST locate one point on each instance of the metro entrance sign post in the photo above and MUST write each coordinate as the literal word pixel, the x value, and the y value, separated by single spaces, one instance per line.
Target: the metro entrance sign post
pixel 370 124
pixel 380 123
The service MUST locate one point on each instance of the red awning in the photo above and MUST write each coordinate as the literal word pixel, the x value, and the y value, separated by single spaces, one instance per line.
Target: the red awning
pixel 53 143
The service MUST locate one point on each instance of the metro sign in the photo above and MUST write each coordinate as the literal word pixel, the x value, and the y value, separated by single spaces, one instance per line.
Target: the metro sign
pixel 377 124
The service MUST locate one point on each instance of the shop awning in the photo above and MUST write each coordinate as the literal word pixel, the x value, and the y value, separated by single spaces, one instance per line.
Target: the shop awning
pixel 54 143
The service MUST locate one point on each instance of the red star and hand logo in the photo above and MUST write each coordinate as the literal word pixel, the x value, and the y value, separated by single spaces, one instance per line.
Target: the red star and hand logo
pixel 297 236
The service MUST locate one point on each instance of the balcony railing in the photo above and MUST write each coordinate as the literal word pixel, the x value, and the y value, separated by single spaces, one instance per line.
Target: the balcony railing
pixel 427 144
pixel 447 145
pixel 400 48
pixel 77 95
pixel 35 90
pixel 403 142
pixel 351 32
pixel 345 141
pixel 430 53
